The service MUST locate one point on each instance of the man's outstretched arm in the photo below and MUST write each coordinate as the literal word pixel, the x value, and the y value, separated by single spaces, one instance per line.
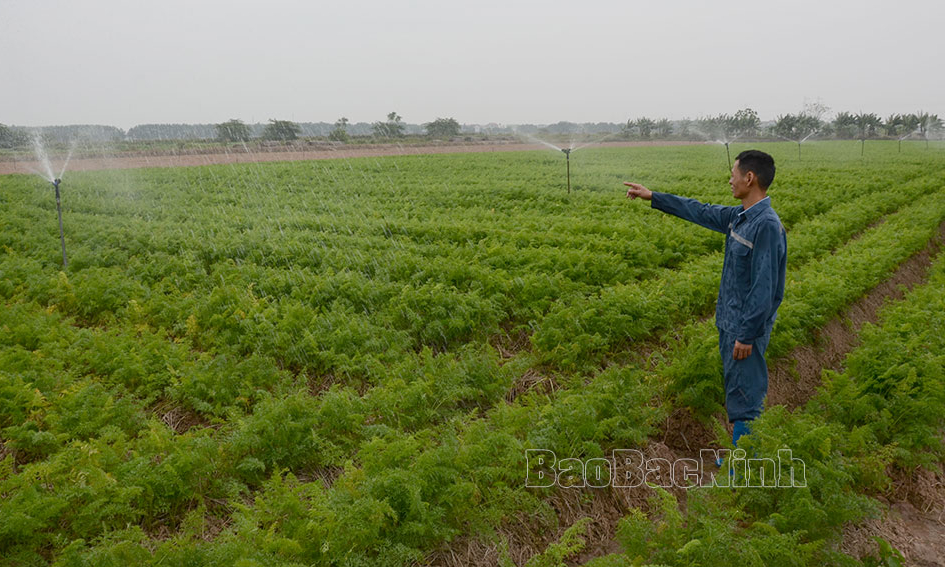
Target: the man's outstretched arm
pixel 713 217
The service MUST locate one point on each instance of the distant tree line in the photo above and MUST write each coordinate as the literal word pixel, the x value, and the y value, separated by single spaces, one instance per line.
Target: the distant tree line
pixel 858 126
pixel 342 130
pixel 12 137
pixel 744 124
pixel 808 123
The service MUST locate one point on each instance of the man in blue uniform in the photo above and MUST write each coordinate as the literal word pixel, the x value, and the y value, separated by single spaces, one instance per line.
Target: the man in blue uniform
pixel 752 278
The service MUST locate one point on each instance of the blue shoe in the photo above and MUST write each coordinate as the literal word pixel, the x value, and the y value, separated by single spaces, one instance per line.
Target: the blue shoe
pixel 740 428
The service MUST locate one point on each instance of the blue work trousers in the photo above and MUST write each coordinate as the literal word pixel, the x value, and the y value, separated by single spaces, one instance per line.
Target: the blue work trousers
pixel 746 380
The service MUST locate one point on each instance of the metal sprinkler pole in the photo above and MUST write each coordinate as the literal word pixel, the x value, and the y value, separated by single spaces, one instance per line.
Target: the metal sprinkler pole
pixel 568 161
pixel 62 237
pixel 728 155
pixel 567 153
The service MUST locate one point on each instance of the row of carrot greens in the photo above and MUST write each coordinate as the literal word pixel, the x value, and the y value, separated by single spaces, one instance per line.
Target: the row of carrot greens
pixel 297 363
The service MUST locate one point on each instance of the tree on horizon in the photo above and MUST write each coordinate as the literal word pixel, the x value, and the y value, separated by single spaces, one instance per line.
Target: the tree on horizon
pixel 393 128
pixel 233 130
pixel 281 130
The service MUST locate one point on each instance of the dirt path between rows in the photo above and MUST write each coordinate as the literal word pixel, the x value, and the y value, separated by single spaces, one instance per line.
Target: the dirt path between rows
pixel 340 152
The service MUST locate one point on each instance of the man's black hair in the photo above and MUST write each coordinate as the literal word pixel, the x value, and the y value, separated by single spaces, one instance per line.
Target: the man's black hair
pixel 759 163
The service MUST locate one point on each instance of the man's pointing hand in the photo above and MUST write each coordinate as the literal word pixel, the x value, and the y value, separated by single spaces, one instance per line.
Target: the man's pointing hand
pixel 637 190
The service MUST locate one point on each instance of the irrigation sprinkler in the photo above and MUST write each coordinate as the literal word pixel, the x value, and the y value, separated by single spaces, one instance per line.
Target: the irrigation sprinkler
pixel 567 154
pixel 793 141
pixel 722 139
pixel 566 151
pixel 62 237
pixel 802 140
pixel 907 135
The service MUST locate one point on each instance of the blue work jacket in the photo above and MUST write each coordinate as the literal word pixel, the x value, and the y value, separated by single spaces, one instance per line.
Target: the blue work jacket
pixel 753 271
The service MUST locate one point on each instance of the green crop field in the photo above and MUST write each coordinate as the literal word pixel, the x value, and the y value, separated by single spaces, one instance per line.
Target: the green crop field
pixel 344 362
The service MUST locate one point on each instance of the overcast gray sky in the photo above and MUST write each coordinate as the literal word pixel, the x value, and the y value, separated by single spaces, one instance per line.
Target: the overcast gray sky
pixel 130 62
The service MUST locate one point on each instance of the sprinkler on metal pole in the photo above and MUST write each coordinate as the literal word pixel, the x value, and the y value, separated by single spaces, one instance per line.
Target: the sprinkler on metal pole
pixel 728 155
pixel 567 153
pixel 62 238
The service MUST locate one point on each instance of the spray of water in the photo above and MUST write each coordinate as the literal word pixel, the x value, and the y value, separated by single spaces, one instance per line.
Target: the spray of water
pixel 549 145
pixel 65 164
pixel 572 144
pixel 43 158
pixel 908 135
pixel 722 139
pixel 566 151
pixel 799 140
pixel 592 142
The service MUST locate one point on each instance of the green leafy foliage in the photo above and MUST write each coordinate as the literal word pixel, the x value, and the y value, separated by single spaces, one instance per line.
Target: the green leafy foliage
pixel 343 362
pixel 570 543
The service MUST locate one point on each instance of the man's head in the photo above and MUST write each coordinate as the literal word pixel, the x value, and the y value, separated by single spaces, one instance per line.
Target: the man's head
pixel 753 169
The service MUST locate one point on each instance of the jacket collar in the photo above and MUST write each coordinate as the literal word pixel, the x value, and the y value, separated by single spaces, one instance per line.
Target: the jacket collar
pixel 756 209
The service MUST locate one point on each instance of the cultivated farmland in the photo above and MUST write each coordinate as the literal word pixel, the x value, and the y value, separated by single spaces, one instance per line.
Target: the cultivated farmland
pixel 344 362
